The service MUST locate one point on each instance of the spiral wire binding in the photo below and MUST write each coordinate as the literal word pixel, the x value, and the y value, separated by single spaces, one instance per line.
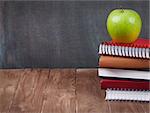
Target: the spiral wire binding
pixel 124 51
pixel 127 95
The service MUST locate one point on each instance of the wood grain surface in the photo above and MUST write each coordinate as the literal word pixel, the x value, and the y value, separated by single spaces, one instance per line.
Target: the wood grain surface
pixel 30 92
pixel 90 99
pixel 58 91
pixel 8 85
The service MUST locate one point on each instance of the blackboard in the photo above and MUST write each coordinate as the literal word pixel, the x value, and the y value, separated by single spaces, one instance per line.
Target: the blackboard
pixel 55 34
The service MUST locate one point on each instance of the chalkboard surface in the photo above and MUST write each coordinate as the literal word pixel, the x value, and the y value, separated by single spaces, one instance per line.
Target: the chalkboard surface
pixel 58 34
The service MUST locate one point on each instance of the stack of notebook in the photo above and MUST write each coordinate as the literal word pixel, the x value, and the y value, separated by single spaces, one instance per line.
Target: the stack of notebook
pixel 124 69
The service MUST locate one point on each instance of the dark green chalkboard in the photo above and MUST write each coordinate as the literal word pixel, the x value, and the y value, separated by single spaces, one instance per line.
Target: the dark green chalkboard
pixel 58 34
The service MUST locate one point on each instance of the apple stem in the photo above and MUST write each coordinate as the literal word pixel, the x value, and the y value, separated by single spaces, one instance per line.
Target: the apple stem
pixel 121 9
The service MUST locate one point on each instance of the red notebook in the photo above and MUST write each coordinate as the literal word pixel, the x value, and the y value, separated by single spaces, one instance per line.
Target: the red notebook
pixel 138 49
pixel 140 43
pixel 125 84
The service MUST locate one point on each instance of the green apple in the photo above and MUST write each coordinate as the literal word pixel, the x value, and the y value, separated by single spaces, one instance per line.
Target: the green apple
pixel 124 25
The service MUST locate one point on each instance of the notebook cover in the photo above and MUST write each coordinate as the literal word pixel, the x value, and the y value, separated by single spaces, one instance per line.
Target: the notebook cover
pixel 139 43
pixel 123 62
pixel 125 84
pixel 123 74
pixel 127 95
pixel 139 49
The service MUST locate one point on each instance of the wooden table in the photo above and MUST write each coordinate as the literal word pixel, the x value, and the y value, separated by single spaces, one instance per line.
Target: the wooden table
pixel 58 91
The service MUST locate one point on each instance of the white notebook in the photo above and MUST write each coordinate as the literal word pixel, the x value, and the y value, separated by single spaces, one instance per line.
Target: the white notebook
pixel 121 73
pixel 112 94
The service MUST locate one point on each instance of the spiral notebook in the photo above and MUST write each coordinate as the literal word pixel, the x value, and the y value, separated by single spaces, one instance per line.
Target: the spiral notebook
pixel 139 49
pixel 128 95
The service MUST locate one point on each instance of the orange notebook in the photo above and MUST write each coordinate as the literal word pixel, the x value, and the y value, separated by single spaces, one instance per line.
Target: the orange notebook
pixel 123 63
pixel 138 49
